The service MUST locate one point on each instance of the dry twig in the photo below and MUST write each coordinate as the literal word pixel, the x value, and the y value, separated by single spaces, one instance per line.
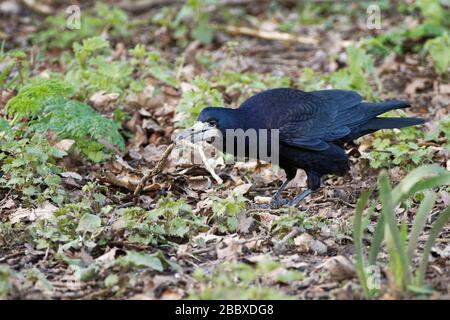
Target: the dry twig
pixel 269 35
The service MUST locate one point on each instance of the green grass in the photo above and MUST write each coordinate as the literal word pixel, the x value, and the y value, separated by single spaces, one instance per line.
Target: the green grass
pixel 401 246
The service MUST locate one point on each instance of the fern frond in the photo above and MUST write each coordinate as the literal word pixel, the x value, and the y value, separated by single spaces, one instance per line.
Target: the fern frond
pixel 31 98
pixel 72 119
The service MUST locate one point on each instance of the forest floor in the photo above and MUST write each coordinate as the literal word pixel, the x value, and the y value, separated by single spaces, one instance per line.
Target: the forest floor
pixel 188 235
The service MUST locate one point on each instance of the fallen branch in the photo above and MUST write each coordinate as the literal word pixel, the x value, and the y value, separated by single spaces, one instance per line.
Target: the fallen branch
pixel 204 159
pixel 160 165
pixel 280 246
pixel 268 35
pixel 156 170
pixel 39 8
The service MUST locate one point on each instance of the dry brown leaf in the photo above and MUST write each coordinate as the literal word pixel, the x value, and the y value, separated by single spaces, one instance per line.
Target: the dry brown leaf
pixel 102 100
pixel 417 83
pixel 243 188
pixel 262 200
pixel 64 145
pixel 44 211
pixel 244 222
pixel 230 251
pixel 339 268
pixel 306 243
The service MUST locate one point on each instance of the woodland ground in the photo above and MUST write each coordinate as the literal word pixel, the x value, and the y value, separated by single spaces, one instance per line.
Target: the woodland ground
pixel 82 236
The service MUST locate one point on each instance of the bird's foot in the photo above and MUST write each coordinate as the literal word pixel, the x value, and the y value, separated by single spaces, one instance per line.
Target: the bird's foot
pixel 294 202
pixel 278 203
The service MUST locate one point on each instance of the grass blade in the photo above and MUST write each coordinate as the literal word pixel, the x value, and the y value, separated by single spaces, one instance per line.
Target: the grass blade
pixel 377 240
pixel 358 241
pixel 419 221
pixel 390 219
pixel 435 230
pixel 417 180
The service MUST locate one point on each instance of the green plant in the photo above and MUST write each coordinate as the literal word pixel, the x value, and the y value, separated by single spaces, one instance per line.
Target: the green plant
pixel 358 74
pixel 193 101
pixel 433 12
pixel 225 211
pixel 32 97
pixel 245 84
pixel 93 71
pixel 402 148
pixel 171 219
pixel 310 81
pixel 233 280
pixel 192 20
pixel 438 49
pixel 151 63
pixel 15 68
pixel 75 225
pixel 294 218
pixel 400 247
pixel 102 18
pixel 47 108
pixel 94 135
pixel 6 275
pixel 29 166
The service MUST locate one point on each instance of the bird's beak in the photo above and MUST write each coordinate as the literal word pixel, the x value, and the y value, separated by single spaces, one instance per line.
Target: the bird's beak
pixel 200 131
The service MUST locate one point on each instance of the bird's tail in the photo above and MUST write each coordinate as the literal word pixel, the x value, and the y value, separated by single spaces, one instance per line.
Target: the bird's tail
pixel 391 123
pixel 377 108
pixel 377 123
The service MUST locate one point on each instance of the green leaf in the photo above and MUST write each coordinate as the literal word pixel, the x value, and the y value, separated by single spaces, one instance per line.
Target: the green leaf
pixel 392 230
pixel 138 259
pixel 419 221
pixel 89 223
pixel 358 241
pixel 438 225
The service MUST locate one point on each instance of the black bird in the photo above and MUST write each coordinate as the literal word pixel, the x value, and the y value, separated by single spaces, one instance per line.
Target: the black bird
pixel 313 128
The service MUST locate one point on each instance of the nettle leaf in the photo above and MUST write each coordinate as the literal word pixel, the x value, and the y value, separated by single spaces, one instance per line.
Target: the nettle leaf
pixel 89 223
pixel 139 260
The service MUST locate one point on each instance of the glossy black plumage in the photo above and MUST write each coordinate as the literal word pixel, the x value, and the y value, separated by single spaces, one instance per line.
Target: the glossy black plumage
pixel 313 125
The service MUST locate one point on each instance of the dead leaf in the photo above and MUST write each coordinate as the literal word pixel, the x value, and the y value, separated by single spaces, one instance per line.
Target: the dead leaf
pixel 44 211
pixel 70 174
pixel 184 251
pixel 339 268
pixel 262 200
pixel 9 204
pixel 64 145
pixel 306 243
pixel 243 188
pixel 417 83
pixel 108 257
pixel 244 222
pixel 230 251
pixel 153 153
pixel 102 100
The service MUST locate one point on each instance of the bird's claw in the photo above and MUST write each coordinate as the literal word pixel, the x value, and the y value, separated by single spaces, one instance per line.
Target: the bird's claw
pixel 278 203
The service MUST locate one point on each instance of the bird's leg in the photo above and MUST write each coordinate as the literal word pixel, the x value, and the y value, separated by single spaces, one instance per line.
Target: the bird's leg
pixel 277 201
pixel 299 197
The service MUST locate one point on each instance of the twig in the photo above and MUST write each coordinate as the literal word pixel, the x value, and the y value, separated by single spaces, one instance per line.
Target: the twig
pixel 142 5
pixel 12 255
pixel 38 7
pixel 156 170
pixel 280 245
pixel 268 35
pixel 204 159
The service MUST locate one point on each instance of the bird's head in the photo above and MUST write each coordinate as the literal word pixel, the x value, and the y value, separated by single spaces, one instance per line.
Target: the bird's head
pixel 211 123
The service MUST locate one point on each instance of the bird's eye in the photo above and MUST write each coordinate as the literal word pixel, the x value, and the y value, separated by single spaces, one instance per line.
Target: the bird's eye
pixel 212 122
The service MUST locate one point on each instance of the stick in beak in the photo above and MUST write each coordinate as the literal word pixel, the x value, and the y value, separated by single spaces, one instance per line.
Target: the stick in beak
pixel 200 131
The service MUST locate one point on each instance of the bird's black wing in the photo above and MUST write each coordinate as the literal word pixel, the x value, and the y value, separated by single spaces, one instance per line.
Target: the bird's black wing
pixel 319 117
